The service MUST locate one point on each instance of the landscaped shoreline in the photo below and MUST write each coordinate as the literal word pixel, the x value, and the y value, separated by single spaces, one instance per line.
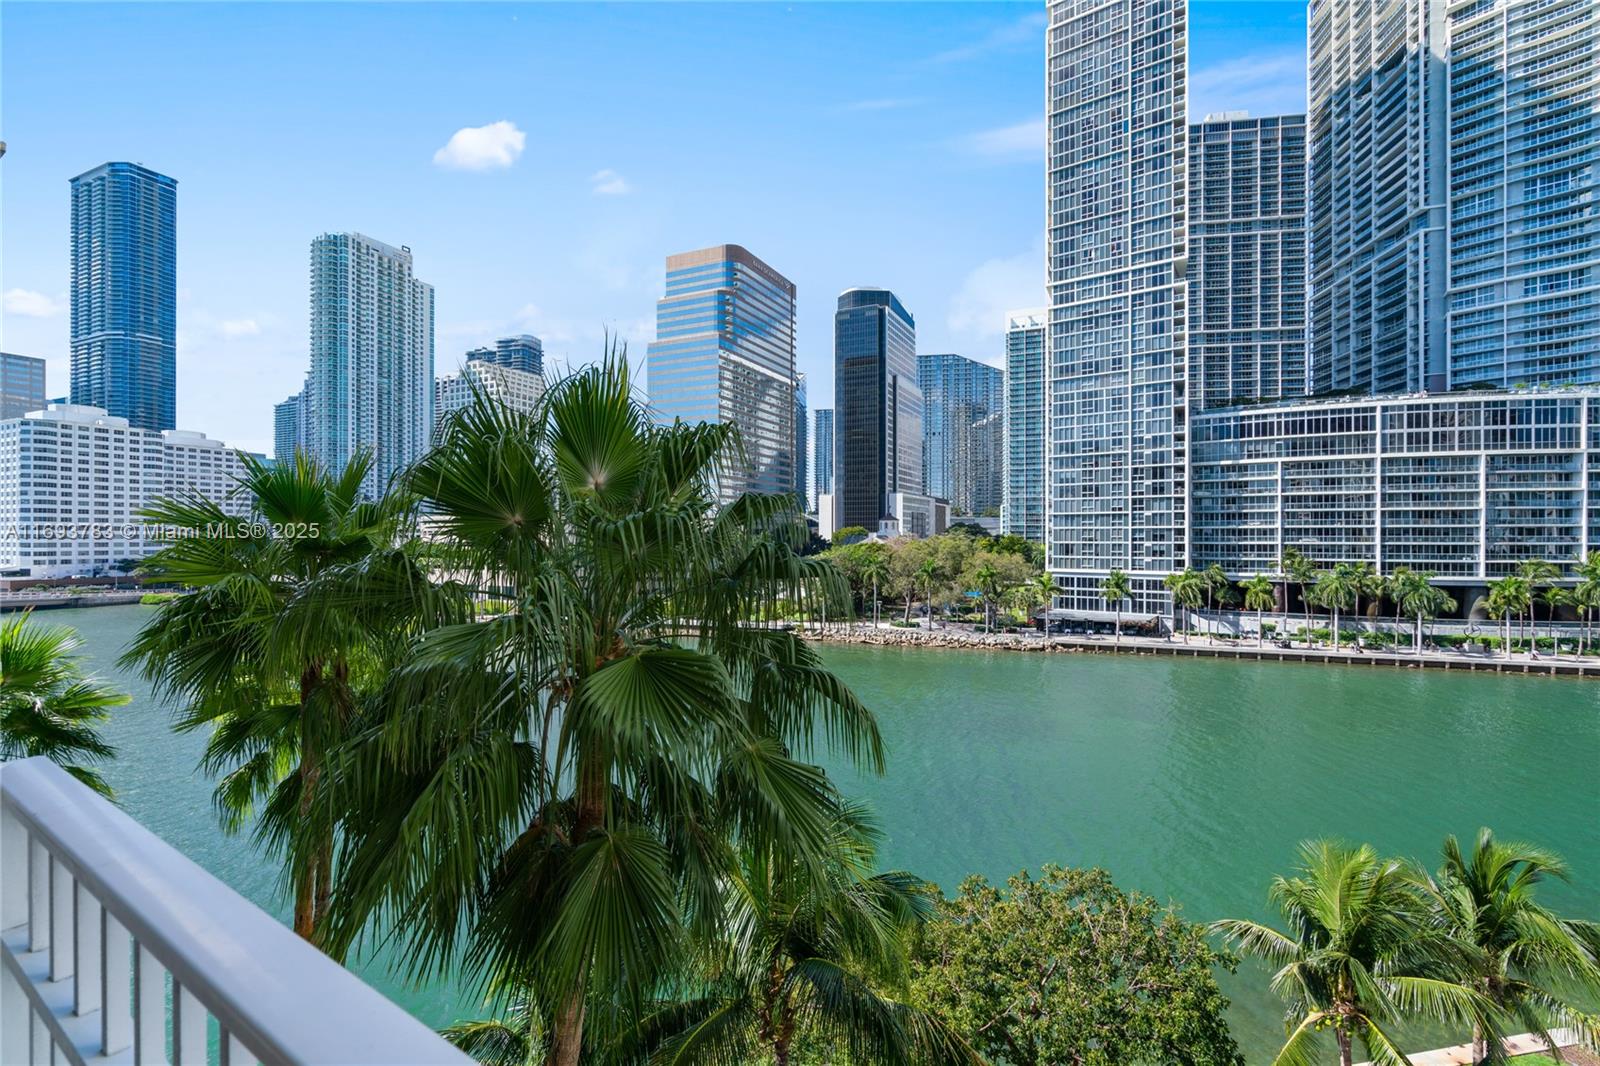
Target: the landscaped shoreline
pixel 1199 648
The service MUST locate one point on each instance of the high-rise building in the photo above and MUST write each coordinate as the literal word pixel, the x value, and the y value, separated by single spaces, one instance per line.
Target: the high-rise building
pixel 877 407
pixel 1247 259
pixel 517 389
pixel 1117 134
pixel 523 352
pixel 1524 180
pixel 979 477
pixel 1023 513
pixel 287 425
pixel 801 451
pixel 1377 122
pixel 821 455
pixel 958 393
pixel 725 353
pixel 74 479
pixel 21 385
pixel 125 293
pixel 371 380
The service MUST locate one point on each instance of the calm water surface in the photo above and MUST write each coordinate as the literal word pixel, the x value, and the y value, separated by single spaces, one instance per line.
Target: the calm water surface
pixel 1189 780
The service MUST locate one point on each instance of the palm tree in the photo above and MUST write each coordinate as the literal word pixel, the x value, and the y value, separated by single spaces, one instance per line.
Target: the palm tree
pixel 521 1038
pixel 1043 589
pixel 1216 580
pixel 1116 590
pixel 1259 597
pixel 1537 573
pixel 47 706
pixel 875 568
pixel 1524 959
pixel 1299 570
pixel 1364 581
pixel 553 799
pixel 1555 597
pixel 1422 600
pixel 1335 589
pixel 279 642
pixel 1357 957
pixel 1188 589
pixel 806 961
pixel 1507 596
pixel 990 588
pixel 1587 594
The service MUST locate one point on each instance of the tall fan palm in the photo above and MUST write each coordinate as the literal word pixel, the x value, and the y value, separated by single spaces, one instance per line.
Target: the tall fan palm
pixel 283 632
pixel 1537 573
pixel 1217 583
pixel 929 574
pixel 1422 600
pixel 1555 597
pixel 1357 956
pixel 1299 570
pixel 1509 596
pixel 1586 594
pixel 990 588
pixel 1525 959
pixel 1335 589
pixel 1043 590
pixel 805 962
pixel 554 795
pixel 47 707
pixel 1116 589
pixel 1258 597
pixel 875 568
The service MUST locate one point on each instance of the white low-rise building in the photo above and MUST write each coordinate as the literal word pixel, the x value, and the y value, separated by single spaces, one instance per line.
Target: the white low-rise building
pixel 73 480
pixel 519 390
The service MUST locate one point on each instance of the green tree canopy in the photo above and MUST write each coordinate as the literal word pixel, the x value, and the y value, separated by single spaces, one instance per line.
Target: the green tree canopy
pixel 1066 968
pixel 47 706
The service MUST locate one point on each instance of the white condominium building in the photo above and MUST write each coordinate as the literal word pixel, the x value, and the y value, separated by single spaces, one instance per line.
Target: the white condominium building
pixel 517 389
pixel 73 480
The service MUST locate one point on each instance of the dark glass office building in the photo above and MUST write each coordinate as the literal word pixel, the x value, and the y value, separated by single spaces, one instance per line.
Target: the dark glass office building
pixel 125 293
pixel 877 406
pixel 21 385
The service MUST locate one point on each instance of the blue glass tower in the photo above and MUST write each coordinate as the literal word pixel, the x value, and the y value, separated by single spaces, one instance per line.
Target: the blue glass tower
pixel 957 394
pixel 800 450
pixel 821 455
pixel 724 353
pixel 1023 513
pixel 877 406
pixel 125 293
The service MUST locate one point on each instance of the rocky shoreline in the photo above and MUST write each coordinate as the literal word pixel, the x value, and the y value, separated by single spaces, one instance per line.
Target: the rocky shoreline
pixel 937 638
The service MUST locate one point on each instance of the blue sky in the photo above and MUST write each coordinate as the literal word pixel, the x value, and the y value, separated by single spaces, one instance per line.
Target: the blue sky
pixel 894 144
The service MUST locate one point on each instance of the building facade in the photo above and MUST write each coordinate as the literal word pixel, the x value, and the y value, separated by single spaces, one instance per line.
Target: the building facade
pixel 877 407
pixel 958 393
pixel 519 390
pixel 287 426
pixel 821 455
pixel 125 294
pixel 74 479
pixel 725 353
pixel 523 352
pixel 1524 158
pixel 21 385
pixel 371 381
pixel 1023 513
pixel 802 450
pixel 1117 130
pixel 1247 260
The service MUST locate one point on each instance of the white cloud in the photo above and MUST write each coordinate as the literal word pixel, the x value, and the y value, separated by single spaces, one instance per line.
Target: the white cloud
pixel 1262 83
pixel 240 327
pixel 992 290
pixel 609 183
pixel 482 147
pixel 31 304
pixel 1027 30
pixel 1024 140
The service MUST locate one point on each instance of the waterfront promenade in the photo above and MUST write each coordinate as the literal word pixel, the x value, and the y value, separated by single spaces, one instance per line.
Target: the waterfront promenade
pixel 1199 647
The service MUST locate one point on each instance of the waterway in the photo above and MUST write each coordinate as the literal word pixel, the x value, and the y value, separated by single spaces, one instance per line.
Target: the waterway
pixel 1190 780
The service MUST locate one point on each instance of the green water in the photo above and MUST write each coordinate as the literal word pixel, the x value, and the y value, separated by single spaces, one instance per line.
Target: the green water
pixel 1191 780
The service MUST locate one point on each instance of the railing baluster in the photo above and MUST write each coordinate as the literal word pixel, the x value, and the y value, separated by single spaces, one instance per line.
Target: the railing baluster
pixel 40 1050
pixel 61 904
pixel 38 895
pixel 13 1017
pixel 149 1009
pixel 85 952
pixel 13 870
pixel 188 1027
pixel 116 960
pixel 233 1053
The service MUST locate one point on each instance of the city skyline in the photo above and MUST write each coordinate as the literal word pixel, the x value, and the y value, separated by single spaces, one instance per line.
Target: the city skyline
pixel 950 116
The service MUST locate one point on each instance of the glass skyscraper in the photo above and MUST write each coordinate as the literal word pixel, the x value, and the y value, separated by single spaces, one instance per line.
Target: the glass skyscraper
pixel 1117 133
pixel 1023 513
pixel 1247 259
pixel 21 385
pixel 801 451
pixel 957 394
pixel 725 353
pixel 524 352
pixel 821 455
pixel 287 419
pixel 371 380
pixel 877 407
pixel 125 293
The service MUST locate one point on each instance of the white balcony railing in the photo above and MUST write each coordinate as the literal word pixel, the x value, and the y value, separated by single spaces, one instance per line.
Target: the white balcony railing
pixel 119 949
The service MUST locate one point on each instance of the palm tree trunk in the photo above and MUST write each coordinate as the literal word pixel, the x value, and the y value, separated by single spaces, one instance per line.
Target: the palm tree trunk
pixel 566 1039
pixel 1345 1057
pixel 1117 638
pixel 1335 633
pixel 1260 637
pixel 874 603
pixel 1419 633
pixel 305 887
